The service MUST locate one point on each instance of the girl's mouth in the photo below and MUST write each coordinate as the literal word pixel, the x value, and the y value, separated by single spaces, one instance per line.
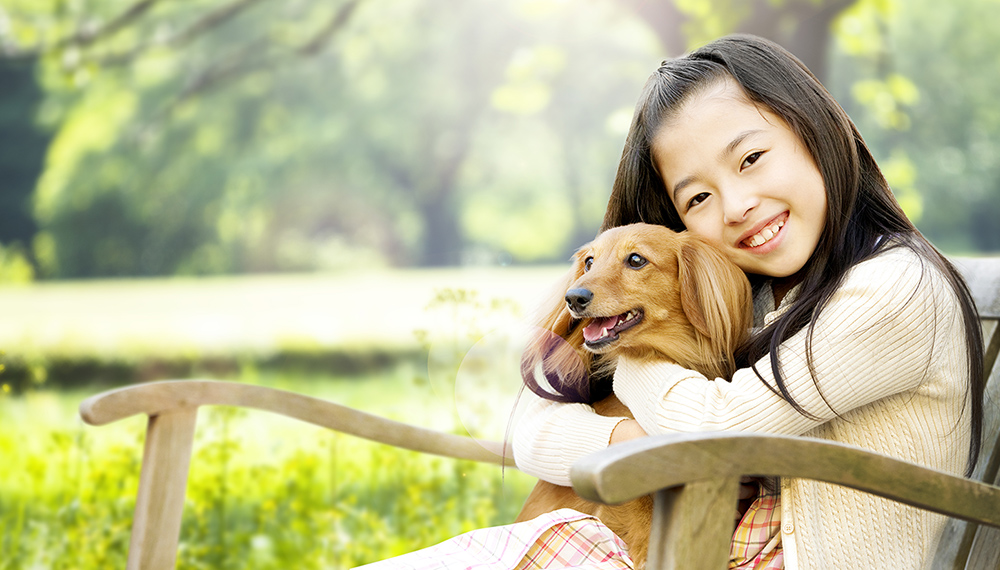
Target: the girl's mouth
pixel 766 234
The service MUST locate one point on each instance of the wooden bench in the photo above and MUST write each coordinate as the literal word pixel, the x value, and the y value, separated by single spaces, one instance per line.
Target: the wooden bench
pixel 696 487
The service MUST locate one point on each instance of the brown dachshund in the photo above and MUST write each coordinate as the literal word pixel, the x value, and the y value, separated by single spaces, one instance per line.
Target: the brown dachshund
pixel 646 292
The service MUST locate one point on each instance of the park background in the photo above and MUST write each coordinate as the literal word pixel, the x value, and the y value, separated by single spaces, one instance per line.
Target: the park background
pixel 344 198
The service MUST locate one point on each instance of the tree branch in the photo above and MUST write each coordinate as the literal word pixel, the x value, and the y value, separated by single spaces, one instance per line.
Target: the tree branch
pixel 248 59
pixel 203 25
pixel 316 44
pixel 9 50
pixel 211 21
pixel 84 37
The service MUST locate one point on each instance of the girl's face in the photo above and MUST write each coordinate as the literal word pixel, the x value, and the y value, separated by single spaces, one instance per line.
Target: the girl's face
pixel 743 180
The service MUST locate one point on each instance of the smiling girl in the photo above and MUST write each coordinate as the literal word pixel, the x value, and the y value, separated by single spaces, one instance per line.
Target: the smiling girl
pixel 864 333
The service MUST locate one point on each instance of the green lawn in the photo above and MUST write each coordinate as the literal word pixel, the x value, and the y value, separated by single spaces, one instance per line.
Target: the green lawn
pixel 264 491
pixel 251 314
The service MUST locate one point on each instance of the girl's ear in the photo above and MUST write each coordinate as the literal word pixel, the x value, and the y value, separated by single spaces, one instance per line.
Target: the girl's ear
pixel 715 296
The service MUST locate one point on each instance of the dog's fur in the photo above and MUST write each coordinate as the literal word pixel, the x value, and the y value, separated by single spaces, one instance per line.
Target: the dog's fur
pixel 695 309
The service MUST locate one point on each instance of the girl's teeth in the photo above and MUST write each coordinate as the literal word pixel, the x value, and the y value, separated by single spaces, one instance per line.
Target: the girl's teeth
pixel 765 235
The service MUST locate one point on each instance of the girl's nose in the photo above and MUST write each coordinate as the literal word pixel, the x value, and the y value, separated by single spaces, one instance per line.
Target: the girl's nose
pixel 737 206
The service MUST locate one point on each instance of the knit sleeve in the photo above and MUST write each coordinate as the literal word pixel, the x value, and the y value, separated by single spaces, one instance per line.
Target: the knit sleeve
pixel 550 437
pixel 875 338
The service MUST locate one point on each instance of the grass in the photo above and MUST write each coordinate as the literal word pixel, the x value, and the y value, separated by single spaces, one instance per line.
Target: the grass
pixel 264 491
pixel 247 314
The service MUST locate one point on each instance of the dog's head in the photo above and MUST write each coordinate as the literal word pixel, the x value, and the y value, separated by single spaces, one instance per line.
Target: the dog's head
pixel 641 286
pixel 648 292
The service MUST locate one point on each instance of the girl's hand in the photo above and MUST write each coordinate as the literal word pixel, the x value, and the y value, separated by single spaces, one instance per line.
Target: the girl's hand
pixel 626 430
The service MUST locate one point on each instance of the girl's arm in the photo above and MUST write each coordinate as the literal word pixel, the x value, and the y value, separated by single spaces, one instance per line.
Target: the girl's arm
pixel 876 337
pixel 891 321
pixel 551 436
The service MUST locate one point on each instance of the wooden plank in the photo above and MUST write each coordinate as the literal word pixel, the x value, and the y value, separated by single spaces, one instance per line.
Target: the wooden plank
pixel 158 397
pixel 985 551
pixel 159 503
pixel 982 274
pixel 642 466
pixel 957 540
pixel 694 524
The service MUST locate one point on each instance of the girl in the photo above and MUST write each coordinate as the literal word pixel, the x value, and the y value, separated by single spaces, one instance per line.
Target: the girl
pixel 866 336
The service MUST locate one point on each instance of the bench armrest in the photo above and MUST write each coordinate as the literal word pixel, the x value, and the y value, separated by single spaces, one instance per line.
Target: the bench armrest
pixel 643 466
pixel 158 398
pixel 695 482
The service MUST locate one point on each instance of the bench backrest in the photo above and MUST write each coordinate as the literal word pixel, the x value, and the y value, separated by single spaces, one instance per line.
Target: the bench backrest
pixel 964 544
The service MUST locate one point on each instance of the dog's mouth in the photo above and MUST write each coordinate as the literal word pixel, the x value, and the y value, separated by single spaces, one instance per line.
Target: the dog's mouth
pixel 601 331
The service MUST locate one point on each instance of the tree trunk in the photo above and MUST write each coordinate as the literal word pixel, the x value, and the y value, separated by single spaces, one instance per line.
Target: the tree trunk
pixel 22 150
pixel 665 20
pixel 801 26
pixel 442 238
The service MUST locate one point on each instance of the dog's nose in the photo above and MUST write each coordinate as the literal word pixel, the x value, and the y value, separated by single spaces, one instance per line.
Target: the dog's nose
pixel 578 299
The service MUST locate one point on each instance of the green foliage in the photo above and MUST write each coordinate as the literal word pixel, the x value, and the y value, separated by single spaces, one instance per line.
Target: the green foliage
pixel 921 77
pixel 710 20
pixel 314 135
pixel 887 100
pixel 15 266
pixel 236 150
pixel 262 493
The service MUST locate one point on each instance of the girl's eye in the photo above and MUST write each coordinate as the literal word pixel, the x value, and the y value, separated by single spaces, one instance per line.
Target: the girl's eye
pixel 635 261
pixel 697 199
pixel 587 263
pixel 751 158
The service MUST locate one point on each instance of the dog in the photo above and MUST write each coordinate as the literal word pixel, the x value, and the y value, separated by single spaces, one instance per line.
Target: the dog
pixel 648 293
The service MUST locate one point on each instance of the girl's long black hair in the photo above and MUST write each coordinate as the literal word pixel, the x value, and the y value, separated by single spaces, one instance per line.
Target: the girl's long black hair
pixel 861 210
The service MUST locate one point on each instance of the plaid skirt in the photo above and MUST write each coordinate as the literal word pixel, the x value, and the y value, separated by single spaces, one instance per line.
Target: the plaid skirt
pixel 572 540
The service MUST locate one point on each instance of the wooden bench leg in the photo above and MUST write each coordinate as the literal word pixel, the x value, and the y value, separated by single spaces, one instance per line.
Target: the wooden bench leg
pixel 159 503
pixel 693 525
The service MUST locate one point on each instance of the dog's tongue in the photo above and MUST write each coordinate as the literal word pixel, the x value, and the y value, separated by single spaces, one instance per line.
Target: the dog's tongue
pixel 593 331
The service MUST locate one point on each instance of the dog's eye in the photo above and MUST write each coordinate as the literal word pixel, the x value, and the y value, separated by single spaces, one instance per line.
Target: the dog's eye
pixel 587 263
pixel 635 261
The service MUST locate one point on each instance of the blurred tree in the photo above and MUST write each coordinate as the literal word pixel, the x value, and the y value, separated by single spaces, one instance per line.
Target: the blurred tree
pixel 255 135
pixel 186 151
pixel 919 80
pixel 115 73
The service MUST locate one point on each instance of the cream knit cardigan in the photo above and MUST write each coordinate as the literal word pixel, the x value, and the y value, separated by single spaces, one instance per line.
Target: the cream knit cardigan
pixel 891 376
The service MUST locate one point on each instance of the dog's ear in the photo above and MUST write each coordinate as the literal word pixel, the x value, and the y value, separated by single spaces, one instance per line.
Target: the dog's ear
pixel 715 296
